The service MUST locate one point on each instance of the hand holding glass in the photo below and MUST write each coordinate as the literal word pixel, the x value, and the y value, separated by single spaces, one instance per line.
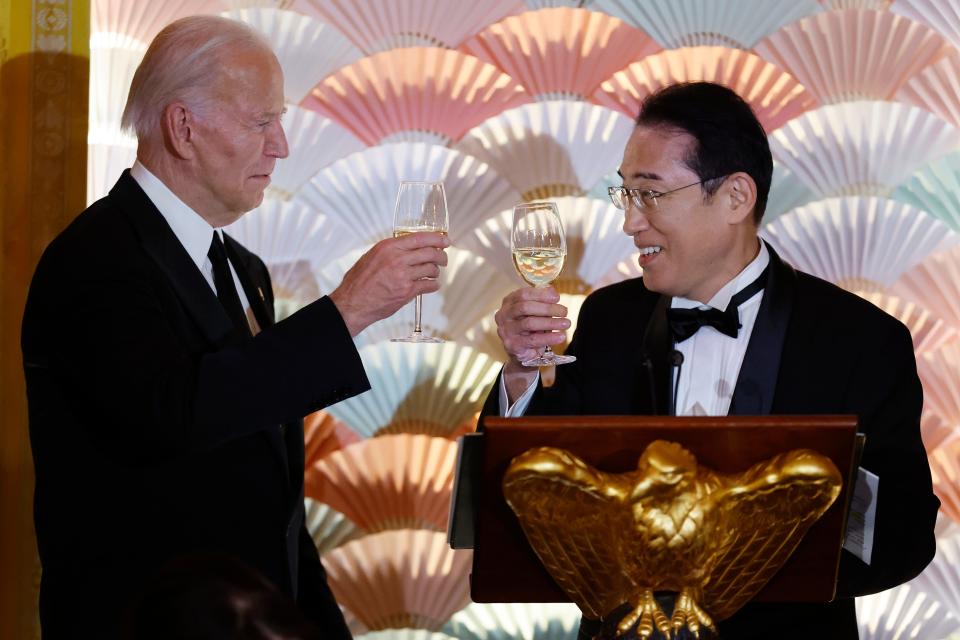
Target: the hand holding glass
pixel 421 206
pixel 539 249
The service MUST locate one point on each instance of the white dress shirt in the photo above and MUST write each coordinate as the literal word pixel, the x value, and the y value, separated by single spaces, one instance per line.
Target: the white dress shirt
pixel 193 232
pixel 711 360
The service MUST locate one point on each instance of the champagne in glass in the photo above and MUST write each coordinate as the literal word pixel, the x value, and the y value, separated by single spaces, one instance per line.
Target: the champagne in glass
pixel 539 249
pixel 421 206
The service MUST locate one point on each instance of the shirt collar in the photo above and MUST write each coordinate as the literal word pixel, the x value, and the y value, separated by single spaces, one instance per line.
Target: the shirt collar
pixel 193 232
pixel 721 299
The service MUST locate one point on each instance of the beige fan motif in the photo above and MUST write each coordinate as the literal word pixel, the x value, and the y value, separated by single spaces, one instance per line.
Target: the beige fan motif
pixel 427 391
pixel 942 15
pixel 416 94
pixel 941 580
pixel 470 289
pixel 851 149
pixel 551 149
pixel 560 53
pixel 391 482
pixel 504 621
pixel 308 50
pixel 870 55
pixel 400 578
pixel 776 97
pixel 860 243
pixel 377 26
pixel 904 612
pixel 323 434
pixel 327 527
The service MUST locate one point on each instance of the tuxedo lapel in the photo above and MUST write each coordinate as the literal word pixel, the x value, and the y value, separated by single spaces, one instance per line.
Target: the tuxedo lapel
pixel 194 291
pixel 656 368
pixel 753 394
pixel 162 245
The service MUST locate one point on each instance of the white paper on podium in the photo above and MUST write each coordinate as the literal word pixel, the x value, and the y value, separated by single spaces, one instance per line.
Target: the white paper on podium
pixel 862 516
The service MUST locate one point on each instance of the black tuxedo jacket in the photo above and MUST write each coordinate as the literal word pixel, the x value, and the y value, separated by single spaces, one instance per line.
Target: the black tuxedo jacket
pixel 155 430
pixel 815 349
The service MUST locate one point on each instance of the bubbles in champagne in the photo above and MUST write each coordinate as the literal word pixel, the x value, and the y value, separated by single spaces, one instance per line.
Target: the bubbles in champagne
pixel 538 267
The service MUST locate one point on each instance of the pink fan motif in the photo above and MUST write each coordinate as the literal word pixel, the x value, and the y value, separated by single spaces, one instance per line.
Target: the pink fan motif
pixel 945 469
pixel 775 95
pixel 397 579
pixel 935 429
pixel 936 88
pixel 323 434
pixel 853 54
pixel 377 26
pixel 559 53
pixel 929 332
pixel 934 284
pixel 856 4
pixel 415 94
pixel 141 21
pixel 940 373
pixel 391 482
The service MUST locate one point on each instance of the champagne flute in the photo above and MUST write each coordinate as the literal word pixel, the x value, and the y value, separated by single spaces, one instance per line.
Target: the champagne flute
pixel 539 248
pixel 421 206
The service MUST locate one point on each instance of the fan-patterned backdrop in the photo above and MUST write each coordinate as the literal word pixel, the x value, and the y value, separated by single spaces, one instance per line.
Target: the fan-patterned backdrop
pixel 506 101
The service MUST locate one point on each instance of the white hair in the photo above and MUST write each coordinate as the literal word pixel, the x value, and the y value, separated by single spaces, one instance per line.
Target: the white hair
pixel 183 63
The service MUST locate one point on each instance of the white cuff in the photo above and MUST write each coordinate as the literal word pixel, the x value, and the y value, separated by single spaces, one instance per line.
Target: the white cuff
pixel 520 406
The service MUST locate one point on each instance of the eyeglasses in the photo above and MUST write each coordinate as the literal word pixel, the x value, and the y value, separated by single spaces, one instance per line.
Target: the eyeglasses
pixel 622 197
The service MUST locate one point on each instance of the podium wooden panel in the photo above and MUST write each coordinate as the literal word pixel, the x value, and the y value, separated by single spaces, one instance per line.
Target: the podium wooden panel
pixel 505 568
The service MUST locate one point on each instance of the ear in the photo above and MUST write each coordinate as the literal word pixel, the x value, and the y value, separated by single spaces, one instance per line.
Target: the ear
pixel 178 127
pixel 740 192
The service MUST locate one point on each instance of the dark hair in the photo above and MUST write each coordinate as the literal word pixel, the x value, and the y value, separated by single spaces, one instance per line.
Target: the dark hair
pixel 729 138
pixel 213 596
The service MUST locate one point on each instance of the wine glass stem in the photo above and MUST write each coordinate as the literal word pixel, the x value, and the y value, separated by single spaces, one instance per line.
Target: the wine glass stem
pixel 416 322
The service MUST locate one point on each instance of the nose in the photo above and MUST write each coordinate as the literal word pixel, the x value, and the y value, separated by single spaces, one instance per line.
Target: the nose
pixel 277 142
pixel 634 220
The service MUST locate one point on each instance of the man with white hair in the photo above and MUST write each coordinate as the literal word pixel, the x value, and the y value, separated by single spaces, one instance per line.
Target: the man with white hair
pixel 165 404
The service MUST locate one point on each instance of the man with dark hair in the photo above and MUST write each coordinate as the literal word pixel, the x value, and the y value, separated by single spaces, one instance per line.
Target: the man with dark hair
pixel 696 173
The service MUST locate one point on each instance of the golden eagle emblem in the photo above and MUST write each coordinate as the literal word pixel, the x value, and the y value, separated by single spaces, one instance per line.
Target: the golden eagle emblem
pixel 716 540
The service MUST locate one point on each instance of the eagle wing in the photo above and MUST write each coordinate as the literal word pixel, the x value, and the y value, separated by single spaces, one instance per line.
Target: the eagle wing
pixel 767 510
pixel 572 515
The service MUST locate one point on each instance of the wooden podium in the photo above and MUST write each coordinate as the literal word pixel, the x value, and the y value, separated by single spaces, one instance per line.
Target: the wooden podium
pixel 505 568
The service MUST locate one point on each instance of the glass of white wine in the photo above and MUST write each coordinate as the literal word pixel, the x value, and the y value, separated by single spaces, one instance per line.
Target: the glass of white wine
pixel 539 248
pixel 421 206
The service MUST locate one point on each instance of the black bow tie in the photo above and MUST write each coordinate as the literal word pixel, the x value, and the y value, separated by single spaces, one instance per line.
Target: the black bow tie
pixel 685 322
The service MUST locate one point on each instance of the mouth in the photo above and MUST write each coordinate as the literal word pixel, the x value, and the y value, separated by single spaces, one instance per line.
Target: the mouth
pixel 648 254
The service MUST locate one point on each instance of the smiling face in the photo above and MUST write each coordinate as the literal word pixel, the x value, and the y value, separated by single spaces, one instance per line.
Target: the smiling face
pixel 239 138
pixel 690 245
